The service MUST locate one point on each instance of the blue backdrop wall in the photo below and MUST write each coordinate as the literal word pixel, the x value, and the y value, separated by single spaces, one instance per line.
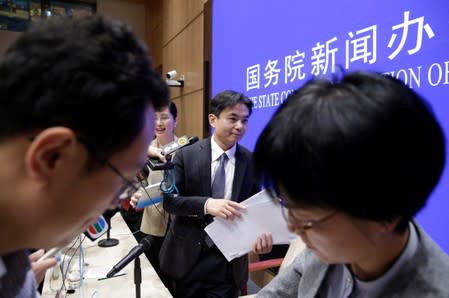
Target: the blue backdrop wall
pixel 266 49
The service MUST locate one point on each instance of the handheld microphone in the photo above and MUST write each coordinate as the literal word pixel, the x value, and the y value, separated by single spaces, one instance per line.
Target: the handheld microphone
pixel 156 164
pixel 96 230
pixel 178 144
pixel 142 176
pixel 133 254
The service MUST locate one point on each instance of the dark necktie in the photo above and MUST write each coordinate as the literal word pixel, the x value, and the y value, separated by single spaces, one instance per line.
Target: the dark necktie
pixel 218 185
pixel 218 189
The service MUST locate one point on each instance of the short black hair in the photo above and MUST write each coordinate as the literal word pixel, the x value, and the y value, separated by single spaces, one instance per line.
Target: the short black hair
pixel 172 109
pixel 89 74
pixel 226 99
pixel 367 145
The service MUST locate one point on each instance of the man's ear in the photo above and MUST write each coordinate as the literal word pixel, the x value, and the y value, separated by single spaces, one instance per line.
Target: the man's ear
pixel 48 151
pixel 212 120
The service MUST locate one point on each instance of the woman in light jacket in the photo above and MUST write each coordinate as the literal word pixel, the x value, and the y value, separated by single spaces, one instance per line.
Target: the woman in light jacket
pixel 155 219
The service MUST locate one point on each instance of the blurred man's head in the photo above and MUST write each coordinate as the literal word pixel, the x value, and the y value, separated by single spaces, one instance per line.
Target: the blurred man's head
pixel 77 100
pixel 229 114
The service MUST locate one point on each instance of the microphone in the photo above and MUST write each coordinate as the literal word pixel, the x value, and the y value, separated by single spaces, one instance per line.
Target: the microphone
pixel 101 226
pixel 96 230
pixel 156 164
pixel 133 253
pixel 108 242
pixel 178 144
pixel 142 176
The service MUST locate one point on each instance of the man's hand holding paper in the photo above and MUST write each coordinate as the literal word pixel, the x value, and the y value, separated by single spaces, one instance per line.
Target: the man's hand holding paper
pixel 261 216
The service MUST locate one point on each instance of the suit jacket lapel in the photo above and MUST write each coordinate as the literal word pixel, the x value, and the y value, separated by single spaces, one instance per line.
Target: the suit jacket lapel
pixel 241 164
pixel 204 161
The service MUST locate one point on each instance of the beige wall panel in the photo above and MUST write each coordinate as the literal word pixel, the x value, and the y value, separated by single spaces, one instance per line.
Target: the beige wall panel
pixel 177 14
pixel 129 12
pixel 155 45
pixel 6 39
pixel 185 55
pixel 155 13
pixel 190 109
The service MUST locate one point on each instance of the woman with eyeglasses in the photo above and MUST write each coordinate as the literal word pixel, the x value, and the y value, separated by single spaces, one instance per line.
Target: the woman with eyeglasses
pixel 352 161
pixel 155 219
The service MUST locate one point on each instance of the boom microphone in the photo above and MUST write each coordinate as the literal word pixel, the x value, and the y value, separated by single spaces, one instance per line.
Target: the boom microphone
pixel 133 253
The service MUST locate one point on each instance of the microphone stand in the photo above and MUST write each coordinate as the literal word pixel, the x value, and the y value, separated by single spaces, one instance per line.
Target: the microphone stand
pixel 137 276
pixel 108 242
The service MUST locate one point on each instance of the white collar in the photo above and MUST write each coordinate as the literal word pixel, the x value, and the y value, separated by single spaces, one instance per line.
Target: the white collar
pixel 217 151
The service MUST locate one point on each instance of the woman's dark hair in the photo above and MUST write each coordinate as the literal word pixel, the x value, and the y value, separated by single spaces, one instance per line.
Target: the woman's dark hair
pixel 367 145
pixel 172 109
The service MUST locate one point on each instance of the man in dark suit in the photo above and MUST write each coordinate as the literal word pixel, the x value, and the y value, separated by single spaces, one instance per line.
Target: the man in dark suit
pixel 188 255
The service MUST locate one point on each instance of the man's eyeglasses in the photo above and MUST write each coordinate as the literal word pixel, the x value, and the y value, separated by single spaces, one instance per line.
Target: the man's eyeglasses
pixel 129 186
pixel 300 225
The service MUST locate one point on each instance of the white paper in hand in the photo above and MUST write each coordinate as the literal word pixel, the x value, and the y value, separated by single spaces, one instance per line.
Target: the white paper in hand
pixel 235 238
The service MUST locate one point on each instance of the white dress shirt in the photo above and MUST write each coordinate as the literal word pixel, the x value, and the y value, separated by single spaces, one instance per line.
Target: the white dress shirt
pixel 229 168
